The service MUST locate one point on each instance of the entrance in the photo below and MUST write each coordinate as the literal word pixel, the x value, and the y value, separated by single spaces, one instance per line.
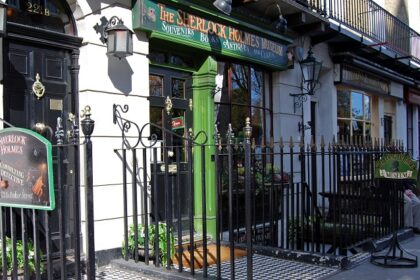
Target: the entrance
pixel 40 73
pixel 171 114
pixel 36 92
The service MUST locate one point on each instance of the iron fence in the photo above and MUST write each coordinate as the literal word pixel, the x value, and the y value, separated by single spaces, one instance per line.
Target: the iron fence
pixel 40 244
pixel 291 197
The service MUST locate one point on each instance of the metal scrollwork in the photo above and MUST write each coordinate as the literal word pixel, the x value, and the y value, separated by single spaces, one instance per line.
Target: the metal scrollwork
pixel 125 125
pixel 142 133
pixel 38 88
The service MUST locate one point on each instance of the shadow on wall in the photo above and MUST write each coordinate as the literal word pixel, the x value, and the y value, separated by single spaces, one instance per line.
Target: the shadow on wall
pixel 120 74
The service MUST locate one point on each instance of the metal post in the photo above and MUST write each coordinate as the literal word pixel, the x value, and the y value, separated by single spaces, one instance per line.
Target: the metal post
pixel 87 126
pixel 248 205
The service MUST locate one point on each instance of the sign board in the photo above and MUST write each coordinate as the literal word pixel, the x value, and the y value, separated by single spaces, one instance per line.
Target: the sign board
pixel 396 166
pixel 177 25
pixel 177 123
pixel 26 173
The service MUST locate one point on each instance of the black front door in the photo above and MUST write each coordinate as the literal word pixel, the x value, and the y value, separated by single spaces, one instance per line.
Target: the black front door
pixel 37 90
pixel 171 112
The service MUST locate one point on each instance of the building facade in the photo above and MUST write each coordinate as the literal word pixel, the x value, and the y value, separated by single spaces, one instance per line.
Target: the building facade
pixel 194 68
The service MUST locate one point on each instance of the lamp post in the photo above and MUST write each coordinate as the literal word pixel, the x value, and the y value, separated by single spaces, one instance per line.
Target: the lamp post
pixel 311 69
pixel 117 36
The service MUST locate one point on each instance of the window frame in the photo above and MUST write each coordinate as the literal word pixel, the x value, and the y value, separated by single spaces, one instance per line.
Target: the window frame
pixel 266 98
pixel 351 118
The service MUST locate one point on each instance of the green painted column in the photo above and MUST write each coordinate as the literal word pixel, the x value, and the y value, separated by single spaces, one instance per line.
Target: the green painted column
pixel 204 82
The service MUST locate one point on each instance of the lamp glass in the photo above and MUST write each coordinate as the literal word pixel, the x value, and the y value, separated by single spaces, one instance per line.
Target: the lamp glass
pixel 120 41
pixel 224 6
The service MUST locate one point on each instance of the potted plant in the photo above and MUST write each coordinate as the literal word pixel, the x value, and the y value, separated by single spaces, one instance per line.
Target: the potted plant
pixel 31 264
pixel 162 241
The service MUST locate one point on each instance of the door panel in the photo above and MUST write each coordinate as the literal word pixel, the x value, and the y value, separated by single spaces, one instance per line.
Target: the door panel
pixel 22 65
pixel 174 87
pixel 22 108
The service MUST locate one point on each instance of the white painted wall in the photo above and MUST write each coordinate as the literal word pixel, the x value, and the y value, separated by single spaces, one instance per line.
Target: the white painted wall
pixel 104 81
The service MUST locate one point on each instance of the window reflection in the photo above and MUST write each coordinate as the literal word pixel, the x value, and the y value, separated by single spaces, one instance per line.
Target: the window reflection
pixel 156 85
pixel 357 105
pixel 178 88
pixel 245 99
pixel 354 115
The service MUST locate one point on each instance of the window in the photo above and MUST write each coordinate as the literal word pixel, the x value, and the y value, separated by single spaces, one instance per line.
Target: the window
pixel 243 96
pixel 353 115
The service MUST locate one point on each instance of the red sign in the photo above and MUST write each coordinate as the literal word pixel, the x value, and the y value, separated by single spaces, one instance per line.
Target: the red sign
pixel 177 123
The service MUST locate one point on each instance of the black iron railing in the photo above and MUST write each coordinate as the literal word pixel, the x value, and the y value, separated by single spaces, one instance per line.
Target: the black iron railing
pixel 318 199
pixel 40 244
pixel 371 20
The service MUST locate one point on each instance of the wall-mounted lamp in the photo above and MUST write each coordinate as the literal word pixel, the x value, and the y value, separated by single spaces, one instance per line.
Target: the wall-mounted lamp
pixel 311 68
pixel 117 36
pixel 224 6
pixel 3 18
pixel 280 24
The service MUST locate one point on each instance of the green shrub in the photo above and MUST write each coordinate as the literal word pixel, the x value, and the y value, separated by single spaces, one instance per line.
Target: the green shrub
pixel 20 256
pixel 162 241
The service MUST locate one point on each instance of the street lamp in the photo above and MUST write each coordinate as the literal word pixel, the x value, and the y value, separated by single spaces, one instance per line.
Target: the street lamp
pixel 3 18
pixel 311 69
pixel 117 36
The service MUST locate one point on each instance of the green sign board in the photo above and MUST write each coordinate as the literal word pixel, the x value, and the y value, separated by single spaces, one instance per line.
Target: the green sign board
pixel 26 173
pixel 396 166
pixel 180 26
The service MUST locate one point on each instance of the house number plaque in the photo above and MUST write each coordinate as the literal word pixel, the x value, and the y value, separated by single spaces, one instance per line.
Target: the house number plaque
pixel 35 8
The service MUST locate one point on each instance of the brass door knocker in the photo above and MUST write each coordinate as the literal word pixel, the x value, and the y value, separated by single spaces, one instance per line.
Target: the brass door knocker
pixel 38 88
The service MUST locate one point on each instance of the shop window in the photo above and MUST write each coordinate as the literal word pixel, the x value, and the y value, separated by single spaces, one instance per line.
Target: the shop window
pixel 354 117
pixel 243 96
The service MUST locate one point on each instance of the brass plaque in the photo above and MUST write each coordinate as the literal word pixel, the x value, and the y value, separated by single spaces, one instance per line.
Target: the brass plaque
pixel 56 104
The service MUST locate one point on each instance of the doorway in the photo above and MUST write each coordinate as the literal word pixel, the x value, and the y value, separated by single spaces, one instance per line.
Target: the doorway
pixel 40 74
pixel 171 118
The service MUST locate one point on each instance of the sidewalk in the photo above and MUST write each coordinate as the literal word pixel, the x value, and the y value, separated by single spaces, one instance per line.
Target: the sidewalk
pixel 274 269
pixel 369 271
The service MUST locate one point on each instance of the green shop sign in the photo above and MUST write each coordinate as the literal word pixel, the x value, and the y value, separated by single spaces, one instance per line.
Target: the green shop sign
pixel 396 166
pixel 26 173
pixel 180 26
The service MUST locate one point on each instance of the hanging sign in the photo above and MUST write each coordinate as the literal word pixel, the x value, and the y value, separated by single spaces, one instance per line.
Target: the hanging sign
pixel 177 123
pixel 26 173
pixel 396 166
pixel 180 26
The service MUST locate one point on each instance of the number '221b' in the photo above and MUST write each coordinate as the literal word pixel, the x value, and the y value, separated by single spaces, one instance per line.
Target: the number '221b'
pixel 37 9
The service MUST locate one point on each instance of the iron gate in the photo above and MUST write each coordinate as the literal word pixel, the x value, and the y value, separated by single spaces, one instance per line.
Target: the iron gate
pixel 39 244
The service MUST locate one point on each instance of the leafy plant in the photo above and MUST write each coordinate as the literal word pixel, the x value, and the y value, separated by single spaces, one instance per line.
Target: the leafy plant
pixel 162 241
pixel 31 264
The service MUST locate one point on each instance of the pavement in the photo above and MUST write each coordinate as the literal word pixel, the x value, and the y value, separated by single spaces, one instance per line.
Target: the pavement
pixel 361 269
pixel 368 271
